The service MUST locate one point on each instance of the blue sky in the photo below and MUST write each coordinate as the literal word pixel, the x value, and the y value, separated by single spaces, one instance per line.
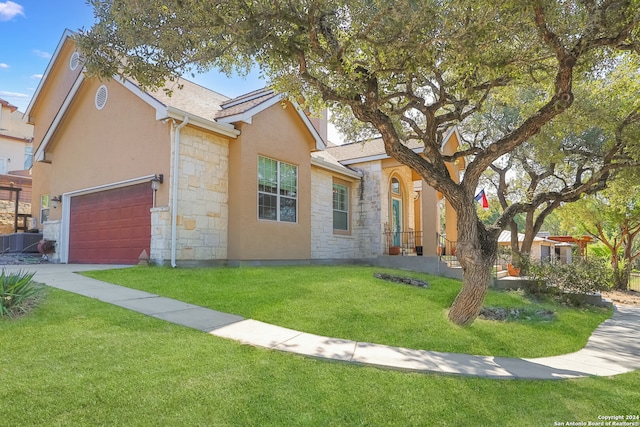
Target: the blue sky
pixel 30 31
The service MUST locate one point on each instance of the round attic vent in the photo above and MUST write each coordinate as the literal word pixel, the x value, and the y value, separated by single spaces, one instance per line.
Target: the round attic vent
pixel 74 61
pixel 101 97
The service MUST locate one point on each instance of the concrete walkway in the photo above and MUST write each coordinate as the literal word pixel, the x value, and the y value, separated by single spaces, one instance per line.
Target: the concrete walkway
pixel 614 347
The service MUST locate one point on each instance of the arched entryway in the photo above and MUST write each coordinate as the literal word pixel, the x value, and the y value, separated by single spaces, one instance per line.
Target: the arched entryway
pixel 397 210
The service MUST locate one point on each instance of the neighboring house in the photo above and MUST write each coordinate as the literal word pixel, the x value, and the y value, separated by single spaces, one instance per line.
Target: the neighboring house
pixel 15 140
pixel 15 161
pixel 570 241
pixel 198 178
pixel 543 247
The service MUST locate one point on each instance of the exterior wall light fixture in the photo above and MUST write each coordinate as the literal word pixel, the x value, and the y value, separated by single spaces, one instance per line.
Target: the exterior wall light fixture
pixel 156 181
pixel 155 184
pixel 56 201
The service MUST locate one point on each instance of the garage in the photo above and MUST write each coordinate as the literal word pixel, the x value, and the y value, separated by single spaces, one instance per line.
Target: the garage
pixel 111 226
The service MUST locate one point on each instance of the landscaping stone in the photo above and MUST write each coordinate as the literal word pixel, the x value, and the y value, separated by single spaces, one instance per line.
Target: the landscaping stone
pixel 399 279
pixel 503 314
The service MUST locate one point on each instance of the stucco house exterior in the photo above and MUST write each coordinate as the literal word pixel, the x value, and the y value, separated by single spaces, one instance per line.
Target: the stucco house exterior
pixel 197 178
pixel 15 161
pixel 15 140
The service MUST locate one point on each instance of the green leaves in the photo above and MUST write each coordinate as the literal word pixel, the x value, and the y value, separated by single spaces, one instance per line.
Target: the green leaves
pixel 17 290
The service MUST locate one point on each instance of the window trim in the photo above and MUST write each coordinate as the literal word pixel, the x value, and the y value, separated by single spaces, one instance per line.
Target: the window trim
pixel 44 200
pixel 277 193
pixel 347 186
pixel 28 157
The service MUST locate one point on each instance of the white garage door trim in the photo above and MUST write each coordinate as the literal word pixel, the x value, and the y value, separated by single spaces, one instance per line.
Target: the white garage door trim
pixel 63 244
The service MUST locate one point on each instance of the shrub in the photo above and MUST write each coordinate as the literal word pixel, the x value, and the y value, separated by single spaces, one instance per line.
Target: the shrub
pixel 17 293
pixel 572 282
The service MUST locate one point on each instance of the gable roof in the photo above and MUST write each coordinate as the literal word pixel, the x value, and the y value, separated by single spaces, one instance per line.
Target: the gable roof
pixel 190 97
pixel 366 151
pixel 505 237
pixel 324 160
pixel 8 105
pixel 65 35
pixel 203 107
pixel 359 152
pixel 245 107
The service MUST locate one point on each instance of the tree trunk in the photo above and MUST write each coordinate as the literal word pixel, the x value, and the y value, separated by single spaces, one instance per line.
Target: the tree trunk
pixel 619 281
pixel 476 250
pixel 621 276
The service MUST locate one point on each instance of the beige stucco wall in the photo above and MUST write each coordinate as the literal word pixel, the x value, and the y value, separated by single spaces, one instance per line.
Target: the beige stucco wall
pixel 280 134
pixel 94 147
pixel 59 81
pixel 12 151
pixel 15 135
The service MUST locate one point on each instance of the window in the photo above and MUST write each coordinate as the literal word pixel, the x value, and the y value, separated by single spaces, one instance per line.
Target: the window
pixel 340 207
pixel 28 157
pixel 395 186
pixel 277 190
pixel 44 208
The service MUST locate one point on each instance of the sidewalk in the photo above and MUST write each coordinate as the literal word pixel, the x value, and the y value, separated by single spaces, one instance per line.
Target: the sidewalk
pixel 614 347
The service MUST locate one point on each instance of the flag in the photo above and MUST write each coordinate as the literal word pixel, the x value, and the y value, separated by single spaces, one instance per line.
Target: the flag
pixel 481 197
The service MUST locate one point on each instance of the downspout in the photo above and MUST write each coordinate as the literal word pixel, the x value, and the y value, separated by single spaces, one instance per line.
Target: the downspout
pixel 174 199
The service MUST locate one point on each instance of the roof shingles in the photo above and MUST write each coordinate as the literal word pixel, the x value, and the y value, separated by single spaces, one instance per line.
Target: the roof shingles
pixel 361 150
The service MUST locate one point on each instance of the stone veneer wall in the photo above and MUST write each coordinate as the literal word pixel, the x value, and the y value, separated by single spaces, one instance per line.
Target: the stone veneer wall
pixel 324 243
pixel 8 212
pixel 160 247
pixel 203 211
pixel 368 212
pixel 51 231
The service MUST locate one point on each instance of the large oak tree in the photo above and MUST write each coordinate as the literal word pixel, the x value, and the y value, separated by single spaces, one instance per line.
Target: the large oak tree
pixel 578 154
pixel 408 69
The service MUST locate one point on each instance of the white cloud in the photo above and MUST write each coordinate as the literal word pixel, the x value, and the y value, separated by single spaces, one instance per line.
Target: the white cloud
pixel 13 94
pixel 3 65
pixel 42 54
pixel 9 10
pixel 36 76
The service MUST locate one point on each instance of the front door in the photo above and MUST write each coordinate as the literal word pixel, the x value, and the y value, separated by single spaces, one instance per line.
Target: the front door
pixel 396 221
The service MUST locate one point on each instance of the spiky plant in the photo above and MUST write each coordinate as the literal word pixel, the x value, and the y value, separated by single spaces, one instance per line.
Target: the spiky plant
pixel 17 291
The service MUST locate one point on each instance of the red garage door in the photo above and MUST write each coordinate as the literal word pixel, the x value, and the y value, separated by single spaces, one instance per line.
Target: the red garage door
pixel 111 227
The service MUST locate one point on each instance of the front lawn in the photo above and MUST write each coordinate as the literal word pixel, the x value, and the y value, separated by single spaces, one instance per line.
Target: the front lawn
pixel 80 362
pixel 348 302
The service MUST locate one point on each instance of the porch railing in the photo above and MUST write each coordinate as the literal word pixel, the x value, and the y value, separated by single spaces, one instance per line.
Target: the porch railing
pixel 446 250
pixel 403 242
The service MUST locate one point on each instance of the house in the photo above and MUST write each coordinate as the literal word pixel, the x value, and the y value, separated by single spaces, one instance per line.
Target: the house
pixel 196 178
pixel 544 248
pixel 395 208
pixel 580 242
pixel 15 140
pixel 15 161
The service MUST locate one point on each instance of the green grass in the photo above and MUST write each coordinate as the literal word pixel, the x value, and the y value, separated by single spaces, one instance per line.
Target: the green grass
pixel 348 302
pixel 79 362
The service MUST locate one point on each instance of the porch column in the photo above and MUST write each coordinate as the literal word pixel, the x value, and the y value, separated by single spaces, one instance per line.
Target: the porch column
pixel 451 226
pixel 430 219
